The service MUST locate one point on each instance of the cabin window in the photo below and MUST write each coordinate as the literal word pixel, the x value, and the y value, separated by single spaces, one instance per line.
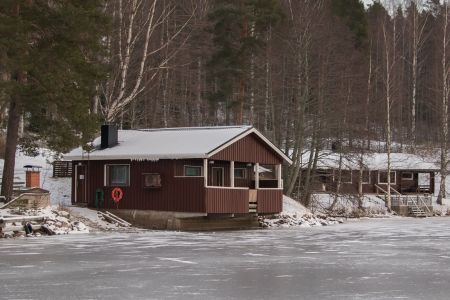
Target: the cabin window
pixel 117 175
pixel 192 171
pixel 365 177
pixel 382 177
pixel 240 173
pixel 152 180
pixel 324 176
pixel 407 176
pixel 346 176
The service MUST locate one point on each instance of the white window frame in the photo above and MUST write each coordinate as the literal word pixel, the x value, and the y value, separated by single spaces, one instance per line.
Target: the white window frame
pixel 245 173
pixel 191 166
pixel 106 178
pixel 370 177
pixel 395 177
pixel 408 178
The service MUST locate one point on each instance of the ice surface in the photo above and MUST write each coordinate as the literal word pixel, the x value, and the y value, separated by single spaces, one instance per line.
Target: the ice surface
pixel 369 259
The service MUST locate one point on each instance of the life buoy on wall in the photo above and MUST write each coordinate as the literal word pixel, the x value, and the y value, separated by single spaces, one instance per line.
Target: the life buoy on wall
pixel 117 194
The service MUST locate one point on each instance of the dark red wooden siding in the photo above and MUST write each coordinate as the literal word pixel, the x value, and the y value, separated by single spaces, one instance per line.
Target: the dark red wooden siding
pixel 220 200
pixel 270 201
pixel 176 194
pixel 249 149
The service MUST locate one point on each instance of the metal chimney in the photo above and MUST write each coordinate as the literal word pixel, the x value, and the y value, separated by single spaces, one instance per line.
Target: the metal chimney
pixel 108 136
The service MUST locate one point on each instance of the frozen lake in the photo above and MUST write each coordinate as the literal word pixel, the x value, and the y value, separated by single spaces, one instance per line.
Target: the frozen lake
pixel 368 259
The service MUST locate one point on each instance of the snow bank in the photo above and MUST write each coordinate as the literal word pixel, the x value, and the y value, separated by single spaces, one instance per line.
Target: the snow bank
pixel 55 222
pixel 296 215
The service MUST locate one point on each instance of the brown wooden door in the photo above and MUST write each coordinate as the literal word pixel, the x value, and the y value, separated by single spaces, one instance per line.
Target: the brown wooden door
pixel 217 176
pixel 80 195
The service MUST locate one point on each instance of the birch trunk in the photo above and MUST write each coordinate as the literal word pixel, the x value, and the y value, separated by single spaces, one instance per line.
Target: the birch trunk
pixel 444 109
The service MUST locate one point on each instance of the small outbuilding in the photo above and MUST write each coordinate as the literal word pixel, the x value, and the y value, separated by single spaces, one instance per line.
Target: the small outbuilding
pixel 180 172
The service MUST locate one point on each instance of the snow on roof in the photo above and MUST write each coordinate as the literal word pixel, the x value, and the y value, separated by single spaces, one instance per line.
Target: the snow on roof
pixel 373 161
pixel 168 143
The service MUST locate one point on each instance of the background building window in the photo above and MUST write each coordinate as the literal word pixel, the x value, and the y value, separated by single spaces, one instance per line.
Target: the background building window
pixel 346 176
pixel 407 175
pixel 192 171
pixel 366 177
pixel 382 177
pixel 152 180
pixel 117 175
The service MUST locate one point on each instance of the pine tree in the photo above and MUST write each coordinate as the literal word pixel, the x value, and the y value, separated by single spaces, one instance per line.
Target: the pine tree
pixel 236 29
pixel 51 65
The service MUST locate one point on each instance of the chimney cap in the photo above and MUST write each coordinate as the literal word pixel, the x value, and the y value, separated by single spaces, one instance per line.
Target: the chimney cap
pixel 32 167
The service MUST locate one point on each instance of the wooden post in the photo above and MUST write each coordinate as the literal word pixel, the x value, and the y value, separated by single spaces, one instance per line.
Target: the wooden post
pixel 232 173
pixel 257 176
pixel 205 171
pixel 279 180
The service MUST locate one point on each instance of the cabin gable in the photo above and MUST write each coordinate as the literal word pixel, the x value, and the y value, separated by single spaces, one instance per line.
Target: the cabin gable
pixel 249 149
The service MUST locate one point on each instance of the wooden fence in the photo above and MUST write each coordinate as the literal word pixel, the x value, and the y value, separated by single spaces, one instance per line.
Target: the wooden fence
pixel 62 168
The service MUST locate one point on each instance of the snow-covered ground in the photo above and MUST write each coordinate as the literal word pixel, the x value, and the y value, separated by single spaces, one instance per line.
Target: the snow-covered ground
pixel 295 214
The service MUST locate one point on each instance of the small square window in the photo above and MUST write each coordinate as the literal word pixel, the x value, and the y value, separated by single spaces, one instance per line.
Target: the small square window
pixel 240 173
pixel 192 171
pixel 152 180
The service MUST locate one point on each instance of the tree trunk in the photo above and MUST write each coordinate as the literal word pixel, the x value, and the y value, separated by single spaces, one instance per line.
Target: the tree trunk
pixel 12 135
pixel 444 110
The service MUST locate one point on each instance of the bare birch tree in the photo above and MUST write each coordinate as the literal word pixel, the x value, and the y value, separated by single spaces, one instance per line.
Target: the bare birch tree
pixel 136 55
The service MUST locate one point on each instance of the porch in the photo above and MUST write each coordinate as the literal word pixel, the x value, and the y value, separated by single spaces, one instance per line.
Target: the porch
pixel 242 187
pixel 416 205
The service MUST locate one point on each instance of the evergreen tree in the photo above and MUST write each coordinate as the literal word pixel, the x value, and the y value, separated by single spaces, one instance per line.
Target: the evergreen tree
pixel 236 28
pixel 353 13
pixel 50 66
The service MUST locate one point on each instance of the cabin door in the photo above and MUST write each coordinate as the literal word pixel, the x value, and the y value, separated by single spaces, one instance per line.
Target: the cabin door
pixel 217 176
pixel 80 183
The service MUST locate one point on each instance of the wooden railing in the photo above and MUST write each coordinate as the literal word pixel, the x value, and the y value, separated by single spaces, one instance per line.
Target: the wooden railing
pixel 398 199
pixel 226 200
pixel 270 200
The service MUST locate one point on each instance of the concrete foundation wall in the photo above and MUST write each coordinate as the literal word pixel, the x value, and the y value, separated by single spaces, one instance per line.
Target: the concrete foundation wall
pixel 164 220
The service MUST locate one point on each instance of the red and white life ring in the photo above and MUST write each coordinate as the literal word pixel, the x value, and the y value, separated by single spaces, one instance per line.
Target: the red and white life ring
pixel 116 194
